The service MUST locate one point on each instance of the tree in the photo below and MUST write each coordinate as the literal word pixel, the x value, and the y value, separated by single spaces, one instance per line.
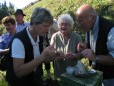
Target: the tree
pixel 5 10
pixel 3 13
pixel 11 9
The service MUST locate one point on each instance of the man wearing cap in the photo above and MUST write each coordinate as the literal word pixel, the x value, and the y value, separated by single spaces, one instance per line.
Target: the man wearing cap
pixel 20 24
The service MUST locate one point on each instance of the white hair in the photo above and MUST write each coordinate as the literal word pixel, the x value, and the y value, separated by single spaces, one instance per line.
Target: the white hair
pixel 66 17
pixel 55 25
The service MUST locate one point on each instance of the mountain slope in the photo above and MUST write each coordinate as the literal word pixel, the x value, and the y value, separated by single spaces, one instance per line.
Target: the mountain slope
pixel 58 7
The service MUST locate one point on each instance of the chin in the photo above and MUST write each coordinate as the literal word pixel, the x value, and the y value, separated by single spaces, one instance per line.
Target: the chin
pixel 85 30
pixel 43 34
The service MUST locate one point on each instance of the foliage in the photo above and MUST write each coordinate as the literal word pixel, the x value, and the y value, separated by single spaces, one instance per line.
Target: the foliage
pixel 5 10
pixel 11 9
pixel 58 7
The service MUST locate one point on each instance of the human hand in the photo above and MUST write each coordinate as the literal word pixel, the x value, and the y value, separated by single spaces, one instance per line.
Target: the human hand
pixel 73 56
pixel 88 53
pixel 58 55
pixel 70 55
pixel 81 47
pixel 48 52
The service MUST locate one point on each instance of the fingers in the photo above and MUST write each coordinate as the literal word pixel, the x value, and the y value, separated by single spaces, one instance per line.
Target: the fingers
pixel 88 53
pixel 81 47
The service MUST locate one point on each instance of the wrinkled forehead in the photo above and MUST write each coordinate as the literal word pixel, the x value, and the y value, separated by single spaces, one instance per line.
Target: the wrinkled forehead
pixel 80 14
pixel 64 21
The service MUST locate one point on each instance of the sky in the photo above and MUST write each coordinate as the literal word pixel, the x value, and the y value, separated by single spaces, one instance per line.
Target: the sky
pixel 19 4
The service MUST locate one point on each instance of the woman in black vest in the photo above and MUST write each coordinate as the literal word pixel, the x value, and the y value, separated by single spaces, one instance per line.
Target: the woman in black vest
pixel 24 66
pixel 100 40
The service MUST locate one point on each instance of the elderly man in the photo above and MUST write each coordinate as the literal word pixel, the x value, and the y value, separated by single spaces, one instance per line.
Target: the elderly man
pixel 19 17
pixel 100 41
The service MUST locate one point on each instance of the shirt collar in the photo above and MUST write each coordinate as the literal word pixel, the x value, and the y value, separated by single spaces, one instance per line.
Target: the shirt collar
pixel 96 24
pixel 32 41
pixel 21 24
pixel 8 33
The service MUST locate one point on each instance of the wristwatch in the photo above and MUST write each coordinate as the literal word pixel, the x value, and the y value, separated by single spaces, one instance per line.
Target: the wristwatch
pixel 97 59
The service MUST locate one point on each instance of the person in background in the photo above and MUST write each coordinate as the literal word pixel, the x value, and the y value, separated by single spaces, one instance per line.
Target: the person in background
pixel 99 47
pixel 5 39
pixel 25 66
pixel 1 32
pixel 52 29
pixel 64 40
pixel 0 39
pixel 20 23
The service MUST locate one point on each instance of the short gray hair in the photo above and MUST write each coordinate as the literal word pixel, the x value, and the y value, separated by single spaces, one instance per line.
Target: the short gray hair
pixel 67 18
pixel 41 15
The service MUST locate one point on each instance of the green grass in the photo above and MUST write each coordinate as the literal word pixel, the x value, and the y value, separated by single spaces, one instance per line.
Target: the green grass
pixel 4 83
pixel 51 71
pixel 2 79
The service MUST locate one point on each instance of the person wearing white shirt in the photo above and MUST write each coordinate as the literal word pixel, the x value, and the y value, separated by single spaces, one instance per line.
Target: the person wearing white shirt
pixel 27 53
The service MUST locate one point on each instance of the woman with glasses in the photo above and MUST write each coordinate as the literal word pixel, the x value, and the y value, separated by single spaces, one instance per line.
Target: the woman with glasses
pixel 65 40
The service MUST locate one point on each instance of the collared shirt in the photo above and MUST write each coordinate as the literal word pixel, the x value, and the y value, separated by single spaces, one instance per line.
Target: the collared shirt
pixel 94 36
pixel 19 51
pixel 5 40
pixel 20 27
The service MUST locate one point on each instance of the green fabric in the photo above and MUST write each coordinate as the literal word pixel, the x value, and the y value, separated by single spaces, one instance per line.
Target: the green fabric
pixel 90 80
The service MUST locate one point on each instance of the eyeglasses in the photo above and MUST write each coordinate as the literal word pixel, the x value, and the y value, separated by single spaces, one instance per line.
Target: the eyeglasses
pixel 82 21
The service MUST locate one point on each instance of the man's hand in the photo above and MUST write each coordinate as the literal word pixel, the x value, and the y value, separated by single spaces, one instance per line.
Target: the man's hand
pixel 88 53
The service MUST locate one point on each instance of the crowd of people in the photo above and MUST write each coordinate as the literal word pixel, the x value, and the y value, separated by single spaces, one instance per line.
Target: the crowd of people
pixel 45 39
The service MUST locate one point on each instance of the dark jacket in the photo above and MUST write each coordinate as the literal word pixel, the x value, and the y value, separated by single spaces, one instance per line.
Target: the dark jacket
pixel 101 47
pixel 32 79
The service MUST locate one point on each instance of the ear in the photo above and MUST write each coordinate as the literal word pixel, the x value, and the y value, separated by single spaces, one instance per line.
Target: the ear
pixel 93 17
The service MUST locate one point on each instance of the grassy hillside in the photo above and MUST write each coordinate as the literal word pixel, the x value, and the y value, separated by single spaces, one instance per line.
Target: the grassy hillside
pixel 57 7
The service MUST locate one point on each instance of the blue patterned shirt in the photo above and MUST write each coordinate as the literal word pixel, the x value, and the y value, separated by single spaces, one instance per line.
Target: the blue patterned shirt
pixel 20 27
pixel 5 40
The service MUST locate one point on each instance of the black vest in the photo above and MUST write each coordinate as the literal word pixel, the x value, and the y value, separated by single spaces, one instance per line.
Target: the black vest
pixel 101 47
pixel 29 79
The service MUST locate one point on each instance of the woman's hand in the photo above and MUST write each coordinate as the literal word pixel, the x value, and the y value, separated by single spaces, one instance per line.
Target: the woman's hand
pixel 70 55
pixel 81 47
pixel 48 52
pixel 73 56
